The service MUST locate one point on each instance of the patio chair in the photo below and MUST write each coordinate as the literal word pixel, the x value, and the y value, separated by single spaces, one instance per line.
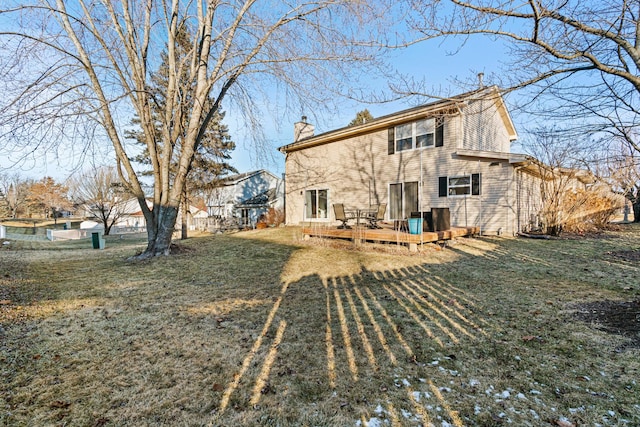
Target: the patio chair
pixel 377 216
pixel 338 209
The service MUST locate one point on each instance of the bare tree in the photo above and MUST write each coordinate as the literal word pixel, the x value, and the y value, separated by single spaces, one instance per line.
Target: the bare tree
pixel 90 61
pixel 573 198
pixel 623 175
pixel 101 193
pixel 14 191
pixel 578 59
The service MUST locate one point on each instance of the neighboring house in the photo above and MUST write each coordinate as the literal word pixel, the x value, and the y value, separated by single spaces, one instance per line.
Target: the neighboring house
pixel 454 153
pixel 129 216
pixel 246 196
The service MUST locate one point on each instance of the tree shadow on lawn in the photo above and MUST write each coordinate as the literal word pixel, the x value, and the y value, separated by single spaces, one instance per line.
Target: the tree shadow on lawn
pixel 395 338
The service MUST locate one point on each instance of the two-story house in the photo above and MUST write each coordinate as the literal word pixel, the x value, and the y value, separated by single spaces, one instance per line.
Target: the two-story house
pixel 246 196
pixel 453 153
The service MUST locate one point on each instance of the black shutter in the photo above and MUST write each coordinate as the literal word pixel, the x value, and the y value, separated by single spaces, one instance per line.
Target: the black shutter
pixel 475 184
pixel 439 132
pixel 442 186
pixel 391 147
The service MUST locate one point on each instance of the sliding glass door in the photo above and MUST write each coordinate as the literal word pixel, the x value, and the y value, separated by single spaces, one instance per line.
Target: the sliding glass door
pixel 403 199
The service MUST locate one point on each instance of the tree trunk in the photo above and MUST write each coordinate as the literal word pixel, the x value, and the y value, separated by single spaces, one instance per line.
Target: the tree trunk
pixel 636 209
pixel 185 210
pixel 160 227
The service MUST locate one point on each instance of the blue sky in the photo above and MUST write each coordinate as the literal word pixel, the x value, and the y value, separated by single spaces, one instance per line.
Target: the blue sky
pixel 431 61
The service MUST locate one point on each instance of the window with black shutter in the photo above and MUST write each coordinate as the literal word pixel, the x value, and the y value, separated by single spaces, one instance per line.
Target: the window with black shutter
pixel 440 132
pixel 391 141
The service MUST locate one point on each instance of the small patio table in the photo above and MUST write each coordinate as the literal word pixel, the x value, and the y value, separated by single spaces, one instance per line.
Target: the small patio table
pixel 362 213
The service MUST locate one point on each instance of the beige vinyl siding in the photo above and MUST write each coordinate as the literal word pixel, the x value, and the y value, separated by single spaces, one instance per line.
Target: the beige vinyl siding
pixel 484 128
pixel 529 200
pixel 357 171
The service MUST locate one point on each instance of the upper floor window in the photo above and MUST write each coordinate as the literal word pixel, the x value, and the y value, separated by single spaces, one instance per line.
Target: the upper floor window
pixel 421 133
pixel 415 135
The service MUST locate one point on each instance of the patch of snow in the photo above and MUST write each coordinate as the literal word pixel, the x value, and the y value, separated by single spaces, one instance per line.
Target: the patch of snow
pixel 406 383
pixel 435 363
pixel 534 414
pixel 505 394
pixel 376 422
pixel 518 358
pixel 474 382
pixel 489 390
pixel 445 389
pixel 453 372
pixel 416 396
pixel 521 396
pixel 611 413
pixel 533 391
pixel 476 410
pixel 379 409
pixel 422 380
pixel 446 424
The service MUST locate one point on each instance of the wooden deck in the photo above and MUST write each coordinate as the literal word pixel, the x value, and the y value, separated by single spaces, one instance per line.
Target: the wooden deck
pixel 388 235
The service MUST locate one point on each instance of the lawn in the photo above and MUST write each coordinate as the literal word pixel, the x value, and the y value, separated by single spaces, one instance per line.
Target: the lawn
pixel 264 328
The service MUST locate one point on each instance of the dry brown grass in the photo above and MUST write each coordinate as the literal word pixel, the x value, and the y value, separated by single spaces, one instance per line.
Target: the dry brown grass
pixel 262 328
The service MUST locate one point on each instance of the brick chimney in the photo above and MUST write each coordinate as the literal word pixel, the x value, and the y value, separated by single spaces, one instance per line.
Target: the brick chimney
pixel 302 129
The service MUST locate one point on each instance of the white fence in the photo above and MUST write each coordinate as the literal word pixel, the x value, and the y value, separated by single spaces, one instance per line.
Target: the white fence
pixel 69 234
pixel 213 224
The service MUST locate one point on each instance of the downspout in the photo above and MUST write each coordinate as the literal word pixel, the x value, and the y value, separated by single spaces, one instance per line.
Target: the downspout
pixel 420 190
pixel 518 178
pixel 284 193
pixel 479 191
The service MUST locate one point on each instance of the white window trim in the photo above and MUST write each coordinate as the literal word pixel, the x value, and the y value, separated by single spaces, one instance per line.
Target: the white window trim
pixel 403 207
pixel 469 186
pixel 414 135
pixel 304 204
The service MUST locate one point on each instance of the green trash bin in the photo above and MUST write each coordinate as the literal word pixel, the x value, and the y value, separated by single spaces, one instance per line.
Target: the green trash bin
pixel 95 239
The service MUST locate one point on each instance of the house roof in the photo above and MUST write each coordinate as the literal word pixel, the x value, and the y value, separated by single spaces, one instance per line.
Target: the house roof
pixel 262 199
pixel 235 179
pixel 443 106
pixel 536 167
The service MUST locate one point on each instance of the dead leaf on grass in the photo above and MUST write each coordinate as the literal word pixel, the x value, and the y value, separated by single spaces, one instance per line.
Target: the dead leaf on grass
pixel 528 338
pixel 100 422
pixel 5 302
pixel 218 387
pixel 60 404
